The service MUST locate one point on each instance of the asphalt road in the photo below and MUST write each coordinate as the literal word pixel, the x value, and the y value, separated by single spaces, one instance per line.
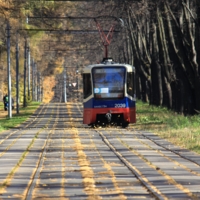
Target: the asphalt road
pixel 54 156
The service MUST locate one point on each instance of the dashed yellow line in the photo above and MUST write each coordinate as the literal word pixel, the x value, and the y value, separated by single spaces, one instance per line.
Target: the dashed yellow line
pixel 86 171
pixel 111 173
pixel 63 181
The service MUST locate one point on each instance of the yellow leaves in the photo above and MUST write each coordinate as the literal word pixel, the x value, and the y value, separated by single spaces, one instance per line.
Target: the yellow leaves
pixel 59 65
pixel 48 84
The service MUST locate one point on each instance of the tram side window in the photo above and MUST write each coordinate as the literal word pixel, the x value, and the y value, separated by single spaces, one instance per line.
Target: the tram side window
pixel 87 86
pixel 130 83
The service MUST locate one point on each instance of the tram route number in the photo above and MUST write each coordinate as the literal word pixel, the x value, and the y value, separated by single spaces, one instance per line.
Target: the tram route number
pixel 120 105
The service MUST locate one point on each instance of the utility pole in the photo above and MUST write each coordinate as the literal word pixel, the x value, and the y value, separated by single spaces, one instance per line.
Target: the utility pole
pixel 77 72
pixel 36 81
pixel 41 90
pixel 28 54
pixel 9 72
pixel 38 87
pixel 33 82
pixel 64 77
pixel 17 75
pixel 25 62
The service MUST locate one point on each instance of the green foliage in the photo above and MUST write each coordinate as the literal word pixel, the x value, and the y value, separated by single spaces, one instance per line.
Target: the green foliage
pixel 34 34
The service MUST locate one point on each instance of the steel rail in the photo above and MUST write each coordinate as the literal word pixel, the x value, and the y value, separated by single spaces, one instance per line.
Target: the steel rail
pixel 129 166
pixel 31 186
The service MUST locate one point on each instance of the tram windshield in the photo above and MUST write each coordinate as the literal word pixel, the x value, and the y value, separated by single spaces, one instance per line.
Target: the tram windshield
pixel 108 82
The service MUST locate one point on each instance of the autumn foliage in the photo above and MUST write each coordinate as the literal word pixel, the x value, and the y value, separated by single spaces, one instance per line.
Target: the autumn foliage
pixel 161 39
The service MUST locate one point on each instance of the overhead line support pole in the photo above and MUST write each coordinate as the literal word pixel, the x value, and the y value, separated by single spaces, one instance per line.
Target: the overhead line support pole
pixel 33 80
pixel 17 75
pixel 28 65
pixel 9 72
pixel 25 63
pixel 65 81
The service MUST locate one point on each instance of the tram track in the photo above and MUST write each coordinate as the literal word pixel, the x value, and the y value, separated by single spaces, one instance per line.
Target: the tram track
pixel 63 159
pixel 17 134
pixel 178 164
pixel 36 173
pixel 185 154
pixel 119 185
pixel 7 134
pixel 153 190
pixel 93 180
pixel 167 177
pixel 23 129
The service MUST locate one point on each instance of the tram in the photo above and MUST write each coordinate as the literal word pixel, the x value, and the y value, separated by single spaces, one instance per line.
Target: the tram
pixel 109 94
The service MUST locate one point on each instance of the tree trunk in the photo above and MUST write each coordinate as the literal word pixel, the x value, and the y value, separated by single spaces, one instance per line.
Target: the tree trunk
pixel 156 77
pixel 165 60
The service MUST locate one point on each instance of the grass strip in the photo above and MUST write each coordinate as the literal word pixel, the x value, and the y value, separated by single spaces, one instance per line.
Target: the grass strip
pixel 183 131
pixel 24 113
